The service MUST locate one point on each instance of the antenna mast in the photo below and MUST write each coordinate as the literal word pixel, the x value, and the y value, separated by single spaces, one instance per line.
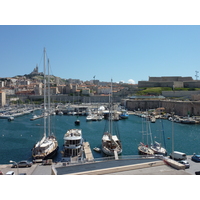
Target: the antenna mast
pixel 196 75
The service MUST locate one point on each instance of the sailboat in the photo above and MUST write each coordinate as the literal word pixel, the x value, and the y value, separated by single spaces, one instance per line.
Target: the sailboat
pixel 111 144
pixel 47 147
pixel 157 147
pixel 145 148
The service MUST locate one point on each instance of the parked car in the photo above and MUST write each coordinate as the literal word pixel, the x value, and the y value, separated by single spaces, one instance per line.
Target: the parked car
pixel 23 163
pixel 186 163
pixel 10 173
pixel 1 173
pixel 22 174
pixel 196 158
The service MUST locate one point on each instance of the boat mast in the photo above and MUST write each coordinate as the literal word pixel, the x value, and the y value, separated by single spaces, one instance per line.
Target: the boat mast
pixel 172 135
pixel 110 110
pixel 49 111
pixel 44 92
pixel 151 139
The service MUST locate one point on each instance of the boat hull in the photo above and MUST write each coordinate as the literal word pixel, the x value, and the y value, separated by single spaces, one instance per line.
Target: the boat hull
pixel 110 152
pixel 48 156
pixel 124 116
pixel 160 152
pixel 143 150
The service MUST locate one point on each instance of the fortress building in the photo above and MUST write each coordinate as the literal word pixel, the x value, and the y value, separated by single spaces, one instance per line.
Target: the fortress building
pixel 170 81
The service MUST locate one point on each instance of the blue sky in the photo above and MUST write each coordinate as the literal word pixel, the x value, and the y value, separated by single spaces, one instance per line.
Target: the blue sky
pixel 106 51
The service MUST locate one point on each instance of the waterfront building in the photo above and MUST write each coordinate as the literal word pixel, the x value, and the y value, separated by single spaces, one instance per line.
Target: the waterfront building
pixel 2 98
pixel 2 83
pixel 9 91
pixel 38 89
pixel 85 91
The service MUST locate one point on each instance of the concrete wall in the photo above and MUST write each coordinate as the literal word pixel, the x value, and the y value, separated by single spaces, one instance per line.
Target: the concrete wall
pixel 154 84
pixel 175 84
pixel 192 84
pixel 185 94
pixel 71 99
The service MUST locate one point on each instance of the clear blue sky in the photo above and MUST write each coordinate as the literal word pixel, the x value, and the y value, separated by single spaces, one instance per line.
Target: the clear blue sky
pixel 117 52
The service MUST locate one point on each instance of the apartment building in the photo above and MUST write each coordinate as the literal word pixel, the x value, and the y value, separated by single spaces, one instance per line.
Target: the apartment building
pixel 2 98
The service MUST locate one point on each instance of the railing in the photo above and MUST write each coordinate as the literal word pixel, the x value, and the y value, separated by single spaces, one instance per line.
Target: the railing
pixel 125 157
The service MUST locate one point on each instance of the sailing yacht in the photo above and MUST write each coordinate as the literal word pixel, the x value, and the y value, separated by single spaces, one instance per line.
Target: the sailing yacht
pixel 47 147
pixel 111 143
pixel 157 147
pixel 145 149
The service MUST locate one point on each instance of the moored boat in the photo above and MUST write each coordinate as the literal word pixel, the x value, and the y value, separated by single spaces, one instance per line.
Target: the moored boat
pixel 47 147
pixel 73 143
pixel 11 118
pixel 152 119
pixel 144 149
pixel 124 114
pixel 158 149
pixel 77 122
pixel 111 144
pixel 97 149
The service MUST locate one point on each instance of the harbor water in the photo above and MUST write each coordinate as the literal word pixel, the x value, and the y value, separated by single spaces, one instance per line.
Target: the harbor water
pixel 18 137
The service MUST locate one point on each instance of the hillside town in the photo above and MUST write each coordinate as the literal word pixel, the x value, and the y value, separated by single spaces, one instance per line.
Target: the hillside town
pixel 30 86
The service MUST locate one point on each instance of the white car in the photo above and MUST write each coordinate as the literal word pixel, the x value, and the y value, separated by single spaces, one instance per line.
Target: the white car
pixel 10 173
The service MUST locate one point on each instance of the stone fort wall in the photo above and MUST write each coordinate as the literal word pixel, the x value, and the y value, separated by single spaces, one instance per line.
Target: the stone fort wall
pixel 171 78
pixel 181 108
pixel 173 82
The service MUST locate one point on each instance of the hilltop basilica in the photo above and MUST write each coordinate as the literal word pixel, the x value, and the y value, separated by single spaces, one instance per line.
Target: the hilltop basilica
pixel 35 71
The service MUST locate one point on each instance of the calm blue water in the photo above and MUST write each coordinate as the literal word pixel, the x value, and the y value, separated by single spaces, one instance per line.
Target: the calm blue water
pixel 19 136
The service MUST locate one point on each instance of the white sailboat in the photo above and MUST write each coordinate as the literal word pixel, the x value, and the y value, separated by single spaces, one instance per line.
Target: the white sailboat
pixel 48 145
pixel 111 144
pixel 144 147
pixel 158 149
pixel 157 146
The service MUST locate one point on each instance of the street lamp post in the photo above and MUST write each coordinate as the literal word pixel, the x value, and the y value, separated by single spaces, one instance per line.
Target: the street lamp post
pixel 11 161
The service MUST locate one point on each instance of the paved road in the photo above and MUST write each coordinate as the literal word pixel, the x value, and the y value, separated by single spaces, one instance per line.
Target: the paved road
pixel 42 170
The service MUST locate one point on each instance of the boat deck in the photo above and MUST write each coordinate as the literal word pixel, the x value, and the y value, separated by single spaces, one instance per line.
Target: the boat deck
pixel 88 152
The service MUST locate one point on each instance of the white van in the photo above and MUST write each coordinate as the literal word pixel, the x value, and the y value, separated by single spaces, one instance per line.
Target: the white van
pixel 178 155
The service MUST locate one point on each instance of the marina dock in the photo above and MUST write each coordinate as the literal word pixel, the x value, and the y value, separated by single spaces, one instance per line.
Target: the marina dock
pixel 88 152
